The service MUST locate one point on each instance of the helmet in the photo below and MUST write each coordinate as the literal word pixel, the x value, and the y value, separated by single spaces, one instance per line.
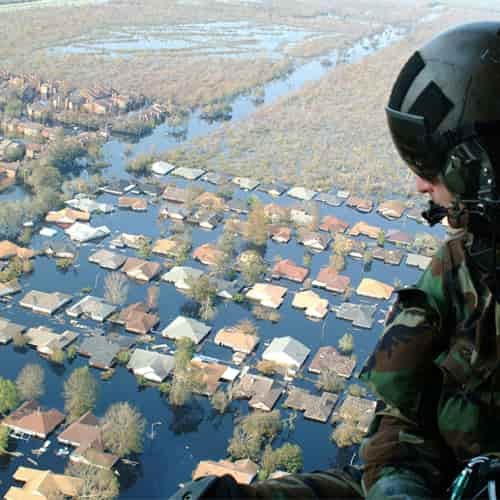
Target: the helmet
pixel 444 110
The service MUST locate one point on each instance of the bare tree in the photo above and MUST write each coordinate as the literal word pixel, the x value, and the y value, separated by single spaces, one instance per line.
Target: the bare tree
pixel 116 288
pixel 30 382
pixel 153 295
pixel 98 484
pixel 80 392
pixel 123 429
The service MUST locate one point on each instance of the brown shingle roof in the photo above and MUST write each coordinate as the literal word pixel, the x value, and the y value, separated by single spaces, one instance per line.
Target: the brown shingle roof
pixel 286 268
pixel 208 254
pixel 333 224
pixel 328 357
pixel 9 249
pixel 30 418
pixel 243 471
pixel 329 279
pixel 236 340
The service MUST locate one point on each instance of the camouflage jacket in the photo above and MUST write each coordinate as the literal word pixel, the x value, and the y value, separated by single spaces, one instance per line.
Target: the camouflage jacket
pixel 436 370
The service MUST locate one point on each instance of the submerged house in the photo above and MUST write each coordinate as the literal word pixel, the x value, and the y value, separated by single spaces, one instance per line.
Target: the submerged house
pixel 43 302
pixel 133 203
pixel 312 303
pixel 162 168
pixel 182 276
pixel 108 259
pixel 89 205
pixel 245 183
pixel 243 471
pixel 391 209
pixel 361 204
pixel 267 295
pixel 301 193
pixel 287 352
pixel 317 408
pixel 280 234
pixel 67 216
pixel 374 288
pixel 286 268
pixel 236 340
pixel 329 279
pixel 170 247
pixel 31 419
pixel 9 250
pixel 315 240
pixel 188 173
pixel 46 341
pixel 93 307
pixel 186 327
pixel 9 329
pixel 43 485
pixel 85 434
pixel 263 392
pixel 9 288
pixel 141 269
pixel 100 350
pixel 361 315
pixel 356 411
pixel 151 365
pixel 333 224
pixel 137 319
pixel 82 232
pixel 328 358
pixel 365 229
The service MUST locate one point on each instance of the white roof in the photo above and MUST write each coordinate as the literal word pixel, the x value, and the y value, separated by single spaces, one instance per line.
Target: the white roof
pixel 48 232
pixel 186 327
pixel 82 232
pixel 230 374
pixel 89 205
pixel 188 173
pixel 301 193
pixel 162 167
pixel 286 351
pixel 180 275
pixel 420 261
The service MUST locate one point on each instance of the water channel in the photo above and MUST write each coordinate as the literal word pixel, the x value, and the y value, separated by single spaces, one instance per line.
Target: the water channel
pixel 195 432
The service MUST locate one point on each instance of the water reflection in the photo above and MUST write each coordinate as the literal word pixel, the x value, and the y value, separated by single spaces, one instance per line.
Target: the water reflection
pixel 186 419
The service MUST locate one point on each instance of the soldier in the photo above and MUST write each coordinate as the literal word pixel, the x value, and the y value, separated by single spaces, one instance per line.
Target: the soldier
pixel 436 368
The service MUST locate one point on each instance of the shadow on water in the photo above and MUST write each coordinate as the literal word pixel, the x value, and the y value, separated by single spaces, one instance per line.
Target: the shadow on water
pixel 186 419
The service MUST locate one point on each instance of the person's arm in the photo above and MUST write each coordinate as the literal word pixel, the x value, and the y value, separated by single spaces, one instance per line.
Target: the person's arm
pixel 402 374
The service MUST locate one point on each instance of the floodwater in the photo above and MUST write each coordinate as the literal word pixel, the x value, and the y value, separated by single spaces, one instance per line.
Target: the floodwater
pixel 228 39
pixel 193 433
pixel 196 432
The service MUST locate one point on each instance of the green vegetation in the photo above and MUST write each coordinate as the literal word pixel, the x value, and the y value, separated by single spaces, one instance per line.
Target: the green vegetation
pixel 203 291
pixel 123 357
pixel 221 400
pixel 346 434
pixel 19 340
pixel 58 356
pixel 71 352
pixel 98 484
pixel 140 165
pixel 80 393
pixel 329 380
pixel 252 433
pixel 287 458
pixel 15 268
pixel 9 398
pixel 346 343
pixel 30 382
pixel 4 439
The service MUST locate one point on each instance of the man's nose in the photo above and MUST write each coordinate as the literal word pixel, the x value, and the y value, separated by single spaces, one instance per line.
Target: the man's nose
pixel 423 185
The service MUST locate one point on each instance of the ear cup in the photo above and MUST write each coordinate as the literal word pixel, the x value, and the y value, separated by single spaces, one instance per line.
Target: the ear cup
pixel 468 170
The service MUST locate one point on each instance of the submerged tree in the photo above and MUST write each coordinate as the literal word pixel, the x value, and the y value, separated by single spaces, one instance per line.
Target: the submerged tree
pixel 8 396
pixel 116 288
pixel 98 484
pixel 123 429
pixel 30 382
pixel 80 392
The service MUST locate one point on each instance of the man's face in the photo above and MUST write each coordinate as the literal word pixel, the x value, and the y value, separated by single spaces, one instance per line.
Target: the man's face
pixel 437 191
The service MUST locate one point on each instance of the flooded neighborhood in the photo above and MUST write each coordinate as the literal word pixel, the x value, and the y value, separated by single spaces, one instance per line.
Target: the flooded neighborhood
pixel 187 289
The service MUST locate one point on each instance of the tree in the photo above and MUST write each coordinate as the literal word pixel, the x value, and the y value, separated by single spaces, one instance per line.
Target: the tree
pixel 116 288
pixel 329 380
pixel 247 327
pixel 288 458
pixel 64 152
pixel 80 392
pixel 221 400
pixel 123 429
pixel 19 340
pixel 30 382
pixel 8 396
pixel 252 269
pixel 153 294
pixel 252 433
pixel 256 228
pixel 203 291
pixel 380 238
pixel 57 356
pixel 98 484
pixel 4 439
pixel 13 108
pixel 346 343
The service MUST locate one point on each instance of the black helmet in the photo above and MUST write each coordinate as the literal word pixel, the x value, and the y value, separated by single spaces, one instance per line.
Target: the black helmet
pixel 445 100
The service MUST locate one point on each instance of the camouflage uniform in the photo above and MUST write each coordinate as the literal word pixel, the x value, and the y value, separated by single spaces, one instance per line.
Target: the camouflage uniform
pixel 435 372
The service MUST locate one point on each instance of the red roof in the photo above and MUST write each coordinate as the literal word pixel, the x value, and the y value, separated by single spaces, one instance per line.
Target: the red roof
pixel 329 278
pixel 30 418
pixel 288 269
pixel 333 224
